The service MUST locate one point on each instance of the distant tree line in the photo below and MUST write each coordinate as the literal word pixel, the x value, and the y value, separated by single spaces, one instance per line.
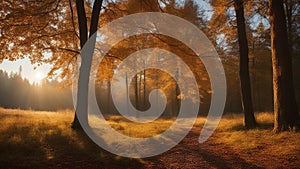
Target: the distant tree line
pixel 17 92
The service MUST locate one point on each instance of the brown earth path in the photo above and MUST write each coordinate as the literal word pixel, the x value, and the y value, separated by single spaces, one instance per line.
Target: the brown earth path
pixel 189 154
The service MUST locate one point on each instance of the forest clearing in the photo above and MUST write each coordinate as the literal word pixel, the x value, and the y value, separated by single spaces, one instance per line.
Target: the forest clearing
pixel 162 84
pixel 39 139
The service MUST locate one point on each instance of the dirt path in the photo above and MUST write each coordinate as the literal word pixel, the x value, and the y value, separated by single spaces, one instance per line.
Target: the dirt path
pixel 38 142
pixel 189 154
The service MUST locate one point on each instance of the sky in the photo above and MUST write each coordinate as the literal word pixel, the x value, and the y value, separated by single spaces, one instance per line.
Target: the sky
pixel 28 71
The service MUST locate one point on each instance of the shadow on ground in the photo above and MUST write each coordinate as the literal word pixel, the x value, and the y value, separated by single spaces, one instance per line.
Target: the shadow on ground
pixel 190 154
pixel 50 146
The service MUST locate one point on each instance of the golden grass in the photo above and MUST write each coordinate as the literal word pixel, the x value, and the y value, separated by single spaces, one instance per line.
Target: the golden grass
pixel 140 130
pixel 32 128
pixel 38 137
pixel 260 140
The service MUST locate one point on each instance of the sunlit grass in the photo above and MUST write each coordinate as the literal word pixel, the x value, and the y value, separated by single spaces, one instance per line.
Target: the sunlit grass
pixel 38 139
pixel 259 140
pixel 30 133
pixel 140 130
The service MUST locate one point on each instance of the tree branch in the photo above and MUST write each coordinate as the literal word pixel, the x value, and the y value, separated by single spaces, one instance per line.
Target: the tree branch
pixel 95 16
pixel 65 49
pixel 82 22
pixel 72 17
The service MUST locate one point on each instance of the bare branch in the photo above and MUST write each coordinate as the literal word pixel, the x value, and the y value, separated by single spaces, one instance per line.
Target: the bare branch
pixel 64 49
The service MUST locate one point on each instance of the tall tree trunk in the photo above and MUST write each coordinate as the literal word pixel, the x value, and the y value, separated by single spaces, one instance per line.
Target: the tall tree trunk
pixel 84 71
pixel 140 90
pixel 289 12
pixel 144 90
pixel 136 94
pixel 285 107
pixel 108 96
pixel 249 118
pixel 177 92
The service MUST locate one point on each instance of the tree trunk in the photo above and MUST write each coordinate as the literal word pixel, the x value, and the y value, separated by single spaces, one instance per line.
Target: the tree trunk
pixel 84 71
pixel 108 96
pixel 249 118
pixel 289 13
pixel 285 107
pixel 136 94
pixel 83 34
pixel 144 90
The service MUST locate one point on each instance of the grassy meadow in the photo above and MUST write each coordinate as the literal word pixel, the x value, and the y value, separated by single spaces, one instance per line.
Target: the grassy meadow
pixel 37 139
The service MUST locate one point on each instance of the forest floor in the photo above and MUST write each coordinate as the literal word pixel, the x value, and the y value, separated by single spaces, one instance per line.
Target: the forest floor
pixel 36 139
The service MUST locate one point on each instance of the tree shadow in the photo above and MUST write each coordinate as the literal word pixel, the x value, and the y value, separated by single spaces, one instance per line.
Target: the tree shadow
pixel 260 126
pixel 47 145
pixel 190 154
pixel 20 150
pixel 220 162
pixel 52 147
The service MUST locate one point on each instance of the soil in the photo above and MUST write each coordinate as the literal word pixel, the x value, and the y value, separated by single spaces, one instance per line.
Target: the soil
pixel 189 154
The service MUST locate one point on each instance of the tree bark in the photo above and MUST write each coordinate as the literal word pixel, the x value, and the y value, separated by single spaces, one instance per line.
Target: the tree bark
pixel 108 96
pixel 144 90
pixel 84 71
pixel 249 118
pixel 136 94
pixel 289 13
pixel 285 107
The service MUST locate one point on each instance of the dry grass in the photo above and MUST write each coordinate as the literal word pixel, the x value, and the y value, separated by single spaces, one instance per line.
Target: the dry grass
pixel 34 139
pixel 261 142
pixel 140 130
pixel 233 132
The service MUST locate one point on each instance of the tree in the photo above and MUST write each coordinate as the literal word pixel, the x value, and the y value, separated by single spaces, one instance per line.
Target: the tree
pixel 292 10
pixel 33 29
pixel 84 71
pixel 249 118
pixel 225 22
pixel 285 107
pixel 262 37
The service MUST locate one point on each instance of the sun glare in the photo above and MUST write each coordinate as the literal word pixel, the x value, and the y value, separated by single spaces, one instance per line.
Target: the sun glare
pixel 39 77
